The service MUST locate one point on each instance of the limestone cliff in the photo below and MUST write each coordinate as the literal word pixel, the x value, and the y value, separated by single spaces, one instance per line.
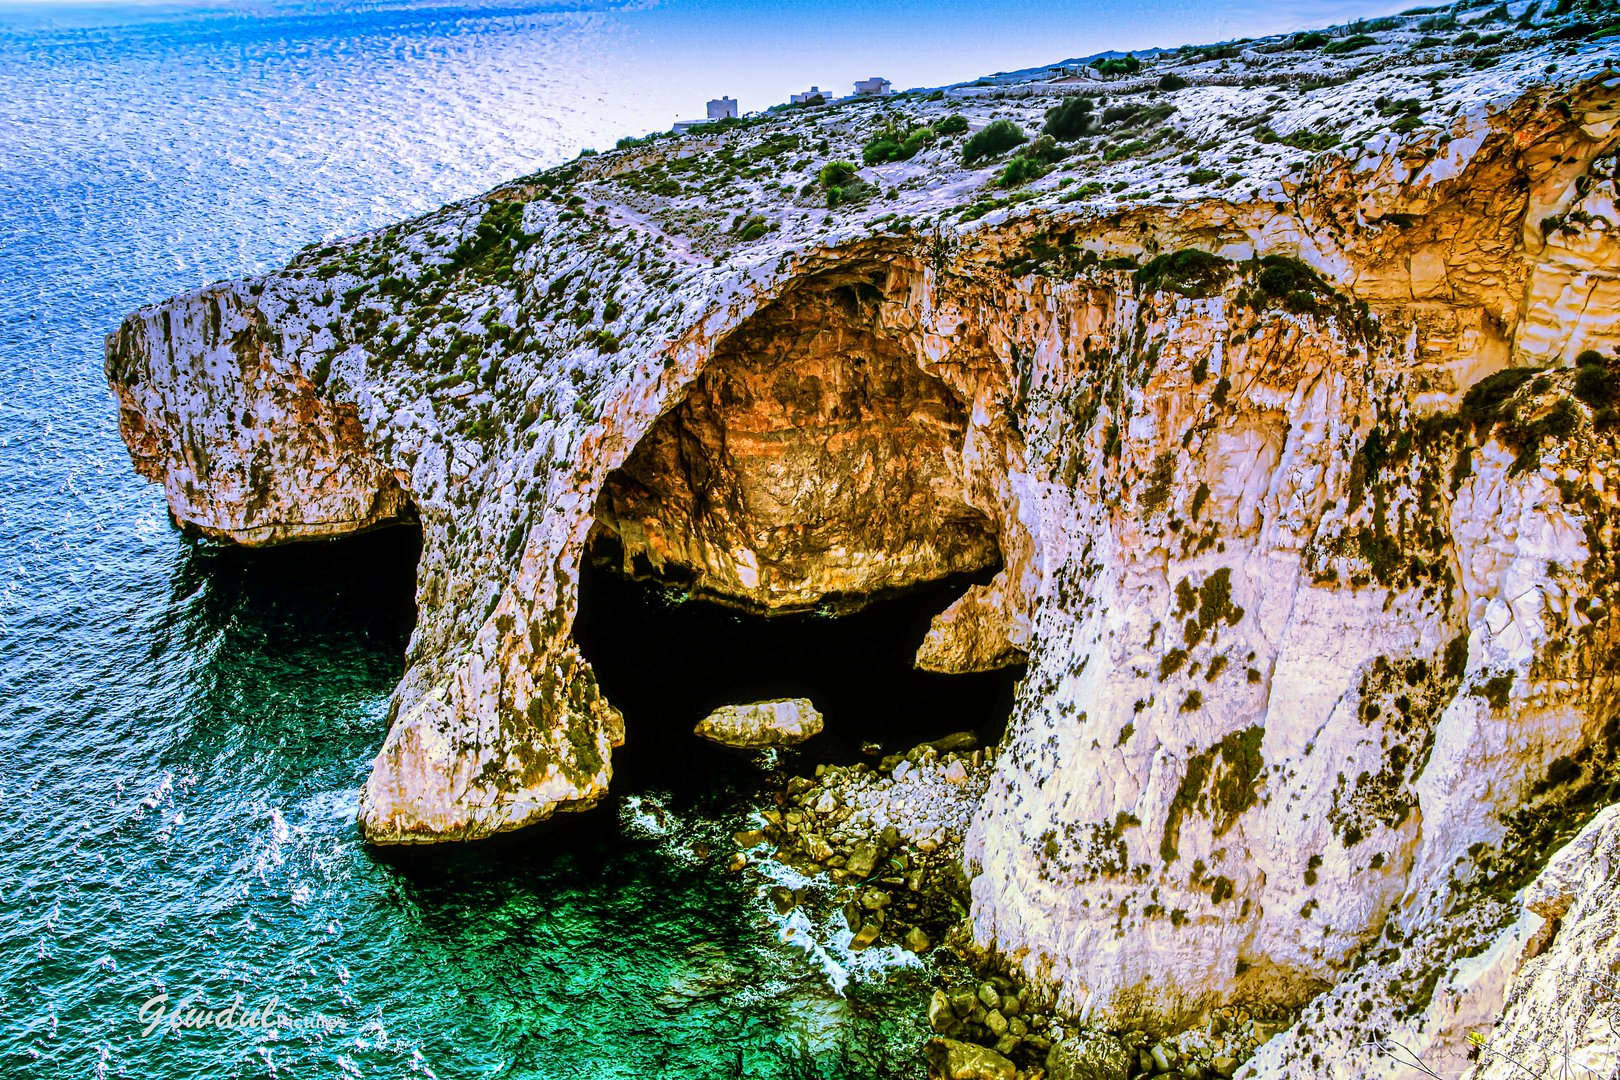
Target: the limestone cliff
pixel 1291 448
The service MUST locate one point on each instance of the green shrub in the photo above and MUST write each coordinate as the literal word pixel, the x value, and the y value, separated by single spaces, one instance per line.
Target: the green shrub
pixel 1290 281
pixel 1203 176
pixel 1315 39
pixel 1125 149
pixel 1595 384
pixel 1302 139
pixel 954 124
pixel 1348 45
pixel 836 174
pixel 1170 81
pixel 1084 191
pixel 495 244
pixel 994 140
pixel 1574 31
pixel 1044 149
pixel 1189 271
pixel 896 142
pixel 1020 170
pixel 1117 65
pixel 1069 119
pixel 1482 405
pixel 879 150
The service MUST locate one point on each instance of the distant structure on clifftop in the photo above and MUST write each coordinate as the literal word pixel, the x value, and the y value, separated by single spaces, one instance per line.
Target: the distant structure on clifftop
pixel 720 108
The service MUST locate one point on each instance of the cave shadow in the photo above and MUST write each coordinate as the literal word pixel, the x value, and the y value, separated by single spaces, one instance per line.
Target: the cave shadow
pixel 666 662
pixel 312 594
pixel 289 652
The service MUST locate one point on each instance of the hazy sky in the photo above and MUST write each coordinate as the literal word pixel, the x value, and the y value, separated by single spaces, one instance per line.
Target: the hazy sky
pixel 760 51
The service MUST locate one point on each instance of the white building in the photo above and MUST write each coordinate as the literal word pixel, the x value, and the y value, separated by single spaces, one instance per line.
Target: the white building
pixel 721 108
pixel 809 95
pixel 873 87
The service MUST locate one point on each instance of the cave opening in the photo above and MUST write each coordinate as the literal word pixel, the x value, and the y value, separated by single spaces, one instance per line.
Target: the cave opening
pixel 790 528
pixel 666 661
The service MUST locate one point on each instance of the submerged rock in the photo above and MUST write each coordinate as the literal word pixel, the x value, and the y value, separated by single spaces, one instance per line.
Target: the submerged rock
pixel 782 722
pixel 952 1060
pixel 865 937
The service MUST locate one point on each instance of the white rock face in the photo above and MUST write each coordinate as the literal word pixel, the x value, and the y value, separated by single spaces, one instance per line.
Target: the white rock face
pixel 1319 644
pixel 782 722
pixel 1562 1011
pixel 1537 998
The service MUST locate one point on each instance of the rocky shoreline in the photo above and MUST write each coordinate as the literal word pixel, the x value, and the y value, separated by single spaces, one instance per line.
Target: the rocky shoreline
pixel 868 857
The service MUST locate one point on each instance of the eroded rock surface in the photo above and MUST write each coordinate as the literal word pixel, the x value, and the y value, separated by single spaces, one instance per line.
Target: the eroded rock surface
pixel 1295 493
pixel 811 461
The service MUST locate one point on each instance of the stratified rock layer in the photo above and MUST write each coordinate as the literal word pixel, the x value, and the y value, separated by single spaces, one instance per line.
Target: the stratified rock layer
pixel 1298 495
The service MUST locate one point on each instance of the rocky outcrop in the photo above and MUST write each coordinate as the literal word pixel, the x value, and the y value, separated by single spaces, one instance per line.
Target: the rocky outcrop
pixel 783 722
pixel 264 458
pixel 1295 494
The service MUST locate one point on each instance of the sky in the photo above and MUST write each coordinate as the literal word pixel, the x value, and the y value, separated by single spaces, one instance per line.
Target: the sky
pixel 757 52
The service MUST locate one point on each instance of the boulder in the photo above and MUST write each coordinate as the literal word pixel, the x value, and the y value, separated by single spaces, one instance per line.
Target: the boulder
pixel 862 859
pixel 956 741
pixel 949 1059
pixel 1088 1055
pixel 940 1017
pixel 781 722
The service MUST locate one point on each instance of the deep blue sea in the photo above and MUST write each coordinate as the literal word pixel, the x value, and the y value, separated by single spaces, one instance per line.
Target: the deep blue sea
pixel 183 728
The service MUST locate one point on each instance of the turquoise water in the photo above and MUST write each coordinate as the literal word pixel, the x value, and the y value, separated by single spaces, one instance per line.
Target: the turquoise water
pixel 183 729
